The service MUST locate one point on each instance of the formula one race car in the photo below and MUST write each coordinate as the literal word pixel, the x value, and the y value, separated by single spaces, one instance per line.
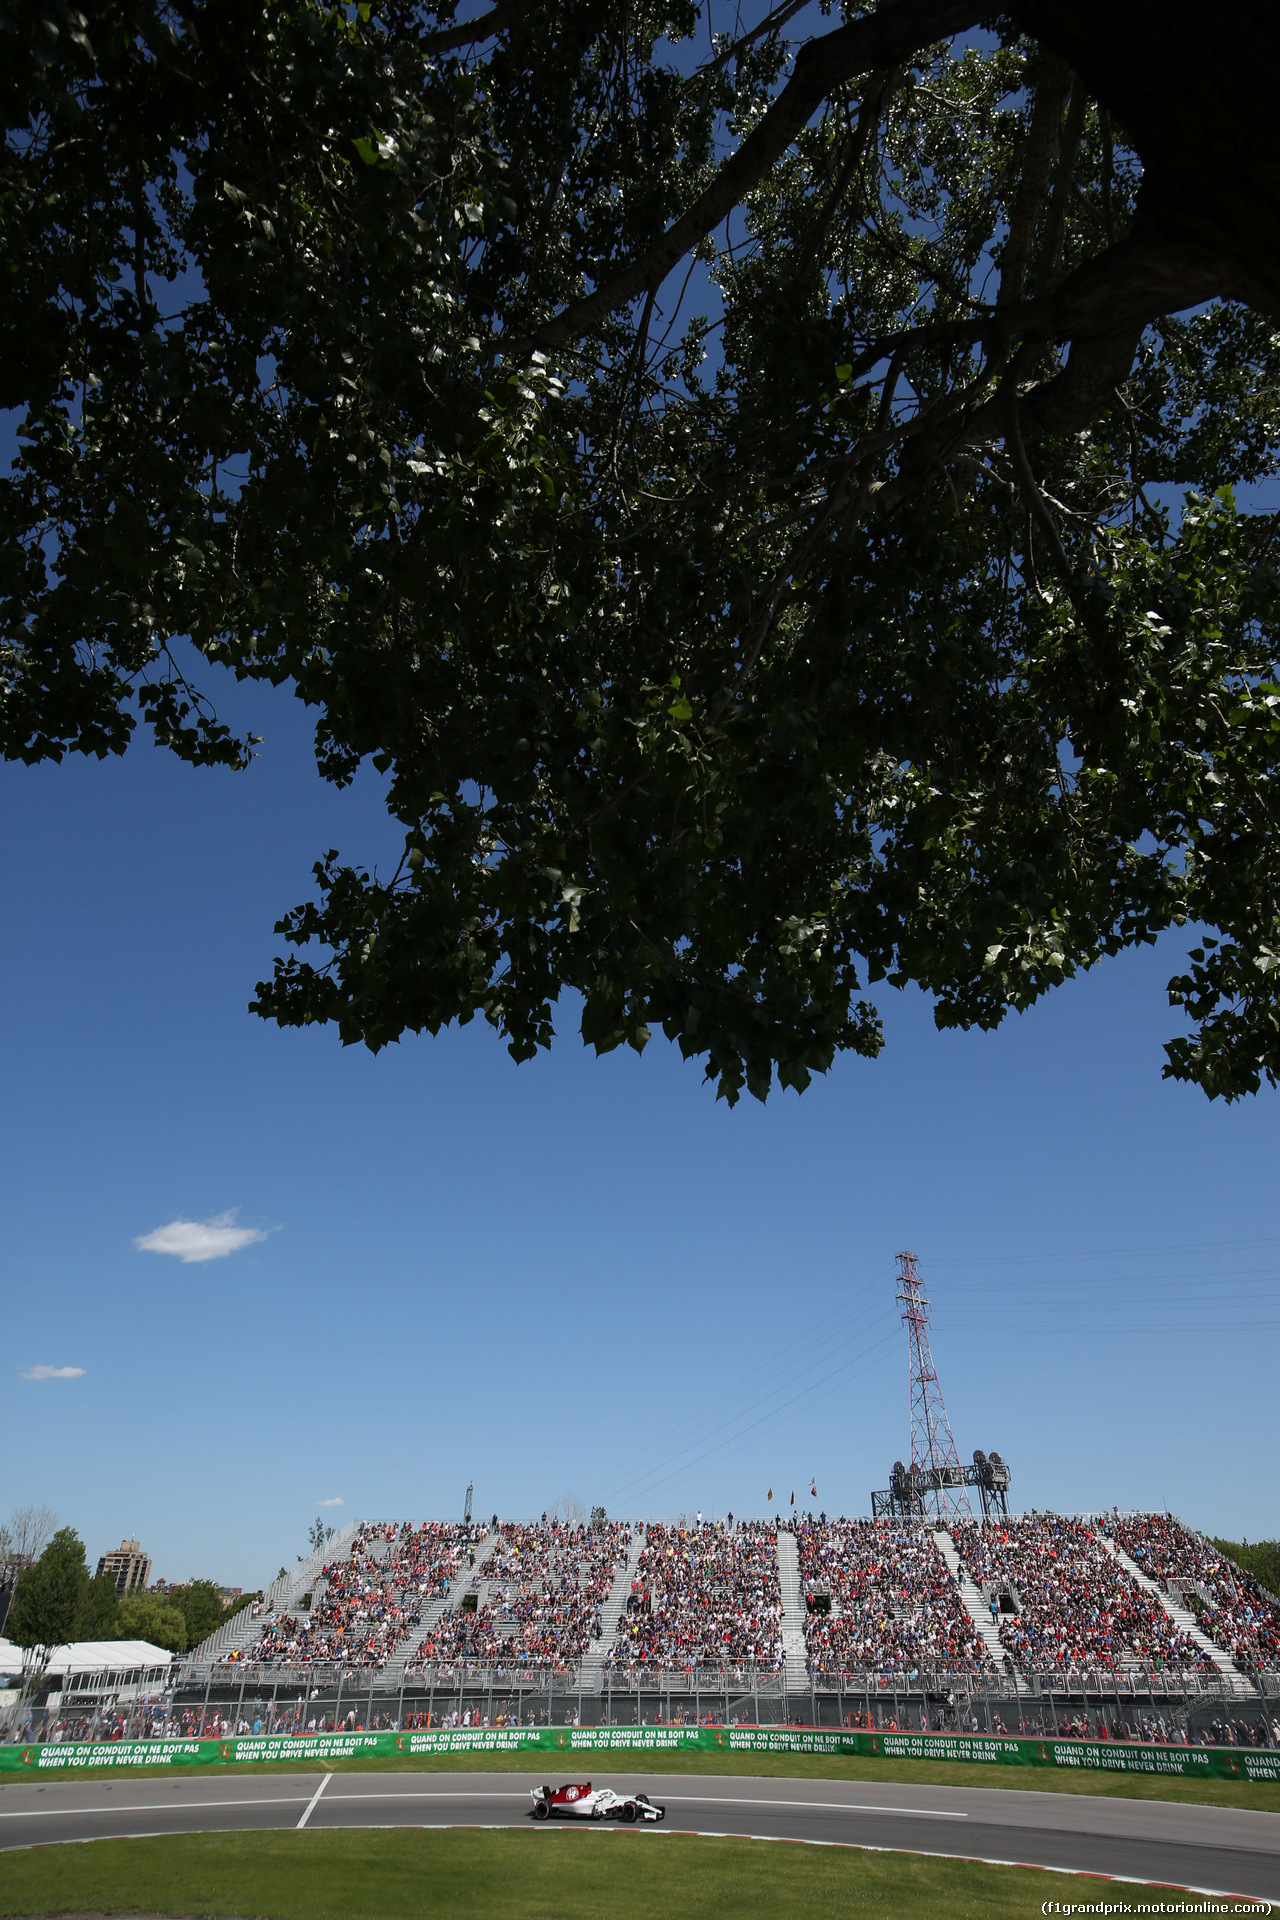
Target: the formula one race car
pixel 587 1803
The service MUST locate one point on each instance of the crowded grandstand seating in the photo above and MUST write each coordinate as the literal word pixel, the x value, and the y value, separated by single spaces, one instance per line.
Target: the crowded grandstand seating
pixel 880 1598
pixel 546 1585
pixel 703 1596
pixel 894 1603
pixel 370 1599
pixel 1232 1609
pixel 1076 1605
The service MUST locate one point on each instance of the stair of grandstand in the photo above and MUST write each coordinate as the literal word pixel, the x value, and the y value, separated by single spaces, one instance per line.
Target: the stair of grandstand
pixel 1233 1680
pixel 470 1580
pixel 793 1616
pixel 592 1667
pixel 971 1598
pixel 244 1628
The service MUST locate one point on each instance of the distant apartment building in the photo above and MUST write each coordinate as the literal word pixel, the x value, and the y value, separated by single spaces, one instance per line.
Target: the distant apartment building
pixel 128 1566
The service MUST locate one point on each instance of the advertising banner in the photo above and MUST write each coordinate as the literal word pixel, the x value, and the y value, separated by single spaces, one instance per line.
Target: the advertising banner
pixel 1206 1763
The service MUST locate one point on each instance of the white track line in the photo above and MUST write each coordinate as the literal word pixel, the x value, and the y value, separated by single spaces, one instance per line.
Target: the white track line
pixel 152 1806
pixel 826 1806
pixel 309 1809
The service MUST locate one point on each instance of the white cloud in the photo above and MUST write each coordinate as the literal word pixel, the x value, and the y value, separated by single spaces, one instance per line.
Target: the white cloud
pixel 331 1503
pixel 194 1240
pixel 53 1373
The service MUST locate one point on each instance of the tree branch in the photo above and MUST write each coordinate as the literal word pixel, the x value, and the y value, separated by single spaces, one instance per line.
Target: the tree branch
pixel 1033 182
pixel 886 38
pixel 1030 491
pixel 483 27
pixel 855 148
pixel 1068 148
pixel 778 17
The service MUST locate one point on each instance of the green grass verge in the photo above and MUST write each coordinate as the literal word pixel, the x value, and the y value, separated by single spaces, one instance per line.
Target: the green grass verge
pixel 563 1874
pixel 1259 1796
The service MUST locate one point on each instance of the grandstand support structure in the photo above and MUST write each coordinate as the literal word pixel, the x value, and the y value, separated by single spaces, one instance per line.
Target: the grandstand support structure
pixel 793 1643
pixel 1233 1680
pixel 591 1671
pixel 935 1463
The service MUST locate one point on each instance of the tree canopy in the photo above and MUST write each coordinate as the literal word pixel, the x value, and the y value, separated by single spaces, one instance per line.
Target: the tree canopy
pixel 99 1615
pixel 153 1617
pixel 200 1604
pixel 769 500
pixel 50 1597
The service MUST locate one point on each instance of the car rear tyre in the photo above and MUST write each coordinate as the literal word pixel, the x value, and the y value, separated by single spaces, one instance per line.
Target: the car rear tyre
pixel 540 1809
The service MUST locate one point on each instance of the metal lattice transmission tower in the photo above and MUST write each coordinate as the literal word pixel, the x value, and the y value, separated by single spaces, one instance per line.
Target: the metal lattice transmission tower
pixel 937 1477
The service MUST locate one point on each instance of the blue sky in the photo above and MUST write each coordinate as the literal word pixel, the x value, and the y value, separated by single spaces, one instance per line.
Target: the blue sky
pixel 574 1275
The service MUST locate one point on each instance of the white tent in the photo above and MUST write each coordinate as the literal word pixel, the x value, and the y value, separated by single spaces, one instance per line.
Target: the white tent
pixel 95 1666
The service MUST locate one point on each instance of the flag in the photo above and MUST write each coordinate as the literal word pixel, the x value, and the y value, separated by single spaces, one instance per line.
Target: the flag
pixel 814 1490
pixel 771 1493
pixel 793 1496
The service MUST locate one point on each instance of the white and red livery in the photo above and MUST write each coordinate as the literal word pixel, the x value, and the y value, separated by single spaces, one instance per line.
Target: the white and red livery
pixel 585 1802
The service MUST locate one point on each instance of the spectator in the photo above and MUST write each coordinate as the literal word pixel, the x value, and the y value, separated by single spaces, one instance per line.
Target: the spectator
pixel 1076 1606
pixel 1231 1608
pixel 365 1604
pixel 895 1605
pixel 708 1596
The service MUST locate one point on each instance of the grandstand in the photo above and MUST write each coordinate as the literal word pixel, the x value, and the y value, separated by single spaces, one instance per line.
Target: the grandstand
pixel 1042 1594
pixel 1060 1599
pixel 1042 1623
pixel 539 1599
pixel 366 1599
pixel 1237 1615
pixel 880 1595
pixel 703 1597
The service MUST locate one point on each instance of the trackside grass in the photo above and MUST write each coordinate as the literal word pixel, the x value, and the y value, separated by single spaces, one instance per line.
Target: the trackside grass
pixel 1258 1796
pixel 562 1873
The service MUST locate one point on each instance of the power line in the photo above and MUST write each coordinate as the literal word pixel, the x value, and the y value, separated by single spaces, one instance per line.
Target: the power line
pixel 678 1458
pixel 687 1432
pixel 1097 1253
pixel 809 1393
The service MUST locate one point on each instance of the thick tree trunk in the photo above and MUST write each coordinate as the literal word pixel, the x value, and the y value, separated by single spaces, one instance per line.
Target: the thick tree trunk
pixel 1194 89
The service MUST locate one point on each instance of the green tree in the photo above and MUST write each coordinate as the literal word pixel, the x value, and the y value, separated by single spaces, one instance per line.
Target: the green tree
pixel 317 1534
pixel 882 611
pixel 48 1603
pixel 99 1610
pixel 1262 1560
pixel 151 1616
pixel 200 1604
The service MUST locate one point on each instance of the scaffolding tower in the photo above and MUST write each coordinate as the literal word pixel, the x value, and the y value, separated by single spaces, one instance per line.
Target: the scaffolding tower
pixel 938 1479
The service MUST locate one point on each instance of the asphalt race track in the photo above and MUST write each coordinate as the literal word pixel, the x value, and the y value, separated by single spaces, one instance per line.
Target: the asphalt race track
pixel 1211 1849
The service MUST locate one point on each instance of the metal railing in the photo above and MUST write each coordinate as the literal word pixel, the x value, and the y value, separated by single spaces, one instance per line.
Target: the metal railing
pixel 247 1699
